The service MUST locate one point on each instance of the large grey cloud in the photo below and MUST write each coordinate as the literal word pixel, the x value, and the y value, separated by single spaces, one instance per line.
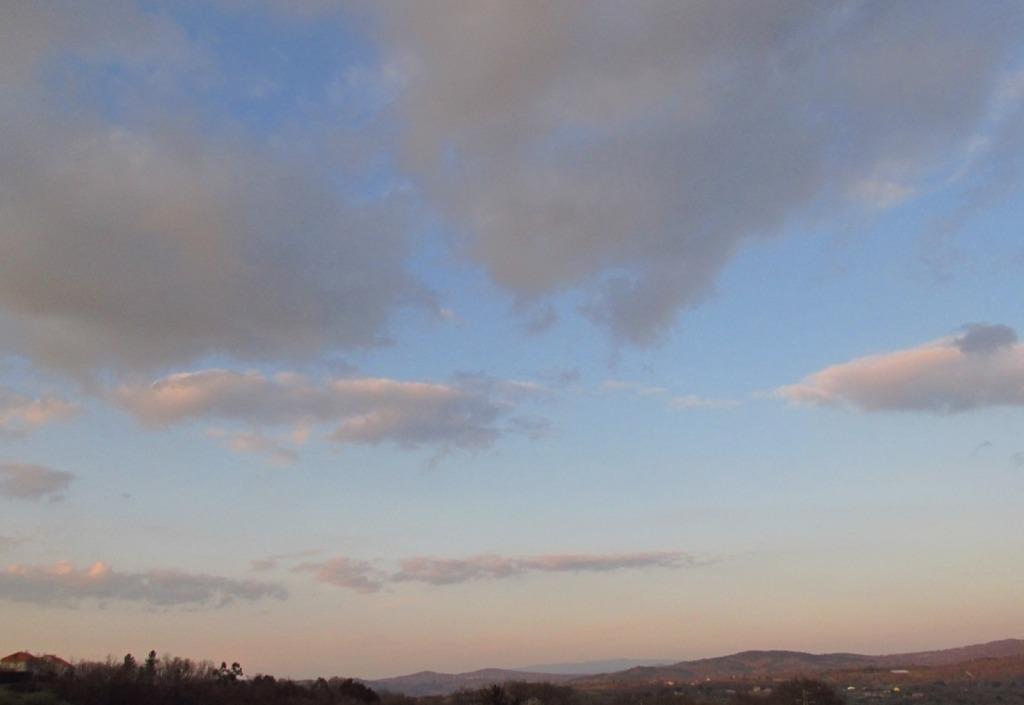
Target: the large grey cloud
pixel 632 148
pixel 629 149
pixel 165 233
pixel 36 482
pixel 469 412
pixel 983 367
pixel 65 584
pixel 364 576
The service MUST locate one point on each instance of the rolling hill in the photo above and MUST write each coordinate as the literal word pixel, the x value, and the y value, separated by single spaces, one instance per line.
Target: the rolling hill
pixel 741 666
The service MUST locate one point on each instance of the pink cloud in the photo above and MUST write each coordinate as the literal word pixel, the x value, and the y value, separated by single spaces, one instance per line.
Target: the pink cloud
pixel 984 367
pixel 20 415
pixel 467 412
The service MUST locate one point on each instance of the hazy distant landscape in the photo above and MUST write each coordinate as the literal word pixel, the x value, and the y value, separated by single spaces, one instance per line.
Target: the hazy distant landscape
pixel 998 661
pixel 980 673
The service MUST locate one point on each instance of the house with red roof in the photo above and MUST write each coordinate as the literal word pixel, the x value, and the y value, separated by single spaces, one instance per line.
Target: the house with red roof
pixel 29 663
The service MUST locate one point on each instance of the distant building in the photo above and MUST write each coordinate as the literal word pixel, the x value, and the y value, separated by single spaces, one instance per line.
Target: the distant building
pixel 28 663
pixel 18 662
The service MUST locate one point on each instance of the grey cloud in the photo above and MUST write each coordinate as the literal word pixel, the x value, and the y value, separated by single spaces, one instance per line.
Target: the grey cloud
pixel 66 585
pixel 156 240
pixel 632 149
pixel 348 573
pixel 940 377
pixel 1017 460
pixel 21 415
pixel 986 338
pixel 8 542
pixel 984 445
pixel 34 482
pixel 466 413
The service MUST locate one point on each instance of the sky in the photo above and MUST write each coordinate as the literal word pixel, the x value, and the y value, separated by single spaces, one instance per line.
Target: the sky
pixel 344 338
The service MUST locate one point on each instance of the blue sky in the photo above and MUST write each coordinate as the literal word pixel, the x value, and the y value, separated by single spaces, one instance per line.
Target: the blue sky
pixel 343 339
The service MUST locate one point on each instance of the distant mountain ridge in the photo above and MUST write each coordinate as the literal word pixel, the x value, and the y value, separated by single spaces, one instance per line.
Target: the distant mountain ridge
pixel 434 683
pixel 748 664
pixel 745 664
pixel 589 668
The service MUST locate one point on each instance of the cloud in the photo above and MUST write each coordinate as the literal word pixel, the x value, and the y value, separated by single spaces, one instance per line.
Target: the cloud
pixel 465 413
pixel 445 571
pixel 35 482
pixel 692 401
pixel 271 562
pixel 642 390
pixel 8 542
pixel 251 442
pixel 632 149
pixel 20 415
pixel 356 575
pixel 673 401
pixel 984 445
pixel 156 237
pixel 363 576
pixel 64 584
pixel 985 338
pixel 984 367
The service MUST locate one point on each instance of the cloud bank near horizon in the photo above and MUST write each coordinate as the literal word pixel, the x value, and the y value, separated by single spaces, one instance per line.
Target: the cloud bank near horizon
pixel 981 367
pixel 64 584
pixel 367 577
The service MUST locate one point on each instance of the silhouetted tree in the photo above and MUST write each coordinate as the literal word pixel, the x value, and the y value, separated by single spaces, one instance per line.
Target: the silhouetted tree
pixel 129 665
pixel 150 667
pixel 804 691
pixel 354 690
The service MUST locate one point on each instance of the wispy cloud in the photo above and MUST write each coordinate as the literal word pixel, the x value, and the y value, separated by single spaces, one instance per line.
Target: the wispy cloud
pixel 672 400
pixel 444 571
pixel 364 576
pixel 692 401
pixel 349 573
pixel 65 584
pixel 34 482
pixel 255 443
pixel 981 367
pixel 21 415
pixel 272 562
pixel 469 412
